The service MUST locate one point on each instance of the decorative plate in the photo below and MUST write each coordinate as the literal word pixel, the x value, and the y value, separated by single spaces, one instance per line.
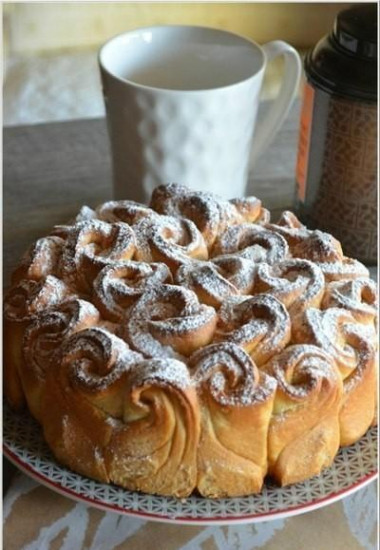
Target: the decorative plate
pixel 354 467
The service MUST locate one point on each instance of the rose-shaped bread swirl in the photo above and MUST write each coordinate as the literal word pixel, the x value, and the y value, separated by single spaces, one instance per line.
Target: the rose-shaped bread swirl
pixel 119 286
pixel 299 237
pixel 360 388
pixel 253 242
pixel 83 395
pixel 170 240
pixel 305 243
pixel 326 252
pixel 85 214
pixel 304 429
pixel 210 213
pixel 91 246
pixel 206 281
pixel 335 331
pixel 289 227
pixel 201 208
pixel 236 405
pixel 347 268
pixel 40 260
pixel 259 324
pixel 239 271
pixel 169 321
pixel 214 281
pixel 250 210
pixel 298 284
pixel 42 342
pixel 358 296
pixel 126 211
pixel 318 247
pixel 22 303
pixel 154 448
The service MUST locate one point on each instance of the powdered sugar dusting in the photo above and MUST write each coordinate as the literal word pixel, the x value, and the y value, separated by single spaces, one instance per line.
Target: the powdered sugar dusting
pixel 169 239
pixel 84 214
pixel 95 244
pixel 295 318
pixel 253 242
pixel 298 284
pixel 348 268
pixel 231 376
pixel 260 324
pixel 97 358
pixel 329 330
pixel 301 369
pixel 166 371
pixel 206 281
pixel 167 314
pixel 71 315
pixel 126 211
pixel 28 297
pixel 366 355
pixel 45 335
pixel 205 210
pixel 359 296
pixel 119 286
pixel 239 271
pixel 41 260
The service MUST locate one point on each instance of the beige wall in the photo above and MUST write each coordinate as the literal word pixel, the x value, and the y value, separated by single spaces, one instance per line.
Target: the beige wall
pixel 39 27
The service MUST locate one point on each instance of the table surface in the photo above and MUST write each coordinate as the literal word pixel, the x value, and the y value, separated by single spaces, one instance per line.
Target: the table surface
pixel 51 170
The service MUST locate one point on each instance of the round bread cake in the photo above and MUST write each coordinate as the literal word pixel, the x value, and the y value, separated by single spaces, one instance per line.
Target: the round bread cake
pixel 192 345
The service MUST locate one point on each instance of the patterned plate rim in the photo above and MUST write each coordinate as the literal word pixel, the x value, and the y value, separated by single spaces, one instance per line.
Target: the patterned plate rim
pixel 20 458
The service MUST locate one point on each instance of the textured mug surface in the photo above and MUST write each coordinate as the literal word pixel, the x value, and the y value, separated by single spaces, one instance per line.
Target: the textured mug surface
pixel 181 106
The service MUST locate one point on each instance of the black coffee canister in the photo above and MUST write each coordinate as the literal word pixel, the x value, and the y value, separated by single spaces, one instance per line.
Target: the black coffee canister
pixel 336 171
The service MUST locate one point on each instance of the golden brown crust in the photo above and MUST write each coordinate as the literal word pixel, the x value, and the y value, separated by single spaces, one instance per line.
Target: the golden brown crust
pixel 170 240
pixel 215 280
pixel 208 214
pixel 42 259
pixel 117 287
pixel 259 324
pixel 335 331
pixel 236 405
pixel 304 428
pixel 168 321
pixel 321 248
pixel 22 303
pixel 253 242
pixel 92 245
pixel 154 447
pixel 358 296
pixel 85 390
pixel 211 214
pixel 251 210
pixel 42 341
pixel 13 362
pixel 359 401
pixel 298 284
pixel 192 344
pixel 129 212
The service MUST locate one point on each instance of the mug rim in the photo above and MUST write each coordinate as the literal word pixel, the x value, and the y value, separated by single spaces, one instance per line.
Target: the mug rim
pixel 134 84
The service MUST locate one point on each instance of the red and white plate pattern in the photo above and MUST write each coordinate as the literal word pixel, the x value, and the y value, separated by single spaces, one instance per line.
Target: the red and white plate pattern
pixel 354 467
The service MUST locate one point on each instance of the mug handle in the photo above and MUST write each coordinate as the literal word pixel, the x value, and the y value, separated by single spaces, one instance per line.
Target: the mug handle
pixel 267 128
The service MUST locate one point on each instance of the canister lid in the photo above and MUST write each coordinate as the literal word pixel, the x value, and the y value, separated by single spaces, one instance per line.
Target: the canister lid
pixel 345 61
pixel 355 30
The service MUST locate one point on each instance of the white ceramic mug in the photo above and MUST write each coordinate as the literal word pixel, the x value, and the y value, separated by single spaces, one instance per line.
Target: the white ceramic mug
pixel 181 104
